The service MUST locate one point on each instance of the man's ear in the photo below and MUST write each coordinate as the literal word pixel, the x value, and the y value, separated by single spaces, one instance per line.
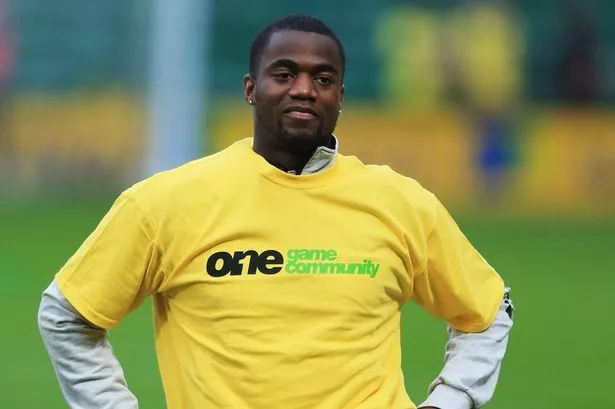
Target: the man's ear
pixel 249 85
pixel 342 97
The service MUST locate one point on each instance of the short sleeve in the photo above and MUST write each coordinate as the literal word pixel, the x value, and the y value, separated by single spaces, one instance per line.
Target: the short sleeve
pixel 116 267
pixel 458 284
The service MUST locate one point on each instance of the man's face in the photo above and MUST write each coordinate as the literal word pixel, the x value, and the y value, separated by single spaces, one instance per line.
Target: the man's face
pixel 298 90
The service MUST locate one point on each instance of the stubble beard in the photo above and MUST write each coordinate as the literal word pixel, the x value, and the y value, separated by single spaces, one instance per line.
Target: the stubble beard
pixel 300 141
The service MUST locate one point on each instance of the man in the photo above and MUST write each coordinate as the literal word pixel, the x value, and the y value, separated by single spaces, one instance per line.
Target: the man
pixel 278 267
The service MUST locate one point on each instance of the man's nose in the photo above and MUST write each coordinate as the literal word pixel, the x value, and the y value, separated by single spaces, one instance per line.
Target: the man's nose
pixel 303 87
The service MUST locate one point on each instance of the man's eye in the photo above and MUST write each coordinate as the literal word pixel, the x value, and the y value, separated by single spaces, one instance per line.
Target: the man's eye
pixel 282 75
pixel 324 80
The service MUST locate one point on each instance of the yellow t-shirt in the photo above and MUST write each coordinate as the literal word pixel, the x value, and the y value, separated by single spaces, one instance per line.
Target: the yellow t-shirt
pixel 273 290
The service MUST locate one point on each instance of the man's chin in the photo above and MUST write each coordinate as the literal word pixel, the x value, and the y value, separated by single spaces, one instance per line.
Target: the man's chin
pixel 304 140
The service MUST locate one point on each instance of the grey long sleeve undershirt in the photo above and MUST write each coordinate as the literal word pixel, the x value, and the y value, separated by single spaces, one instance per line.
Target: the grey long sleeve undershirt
pixel 472 364
pixel 90 375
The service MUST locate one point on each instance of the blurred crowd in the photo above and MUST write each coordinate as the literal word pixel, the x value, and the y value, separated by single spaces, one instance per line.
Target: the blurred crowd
pixel 74 77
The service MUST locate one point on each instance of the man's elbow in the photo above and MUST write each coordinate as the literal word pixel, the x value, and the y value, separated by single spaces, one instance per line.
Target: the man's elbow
pixel 54 312
pixel 45 316
pixel 482 321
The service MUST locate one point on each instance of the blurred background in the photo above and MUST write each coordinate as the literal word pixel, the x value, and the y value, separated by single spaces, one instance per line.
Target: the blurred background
pixel 504 109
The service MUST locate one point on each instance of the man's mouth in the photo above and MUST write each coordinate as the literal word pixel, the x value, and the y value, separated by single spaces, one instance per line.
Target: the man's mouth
pixel 302 113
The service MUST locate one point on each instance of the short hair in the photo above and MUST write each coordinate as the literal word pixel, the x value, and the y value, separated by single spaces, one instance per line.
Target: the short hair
pixel 294 22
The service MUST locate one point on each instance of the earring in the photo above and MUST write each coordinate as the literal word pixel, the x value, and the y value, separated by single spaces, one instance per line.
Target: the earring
pixel 251 101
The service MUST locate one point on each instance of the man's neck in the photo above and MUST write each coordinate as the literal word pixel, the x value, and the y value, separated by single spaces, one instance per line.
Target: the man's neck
pixel 283 159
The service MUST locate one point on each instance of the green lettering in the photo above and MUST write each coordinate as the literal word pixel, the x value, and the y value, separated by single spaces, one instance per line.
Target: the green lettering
pixel 330 255
pixel 292 255
pixel 304 254
pixel 294 266
pixel 327 268
pixel 316 254
pixel 306 268
pixel 374 270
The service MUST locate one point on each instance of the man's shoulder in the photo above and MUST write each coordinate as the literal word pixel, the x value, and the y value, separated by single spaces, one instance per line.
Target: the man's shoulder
pixel 399 193
pixel 211 166
pixel 192 180
pixel 384 175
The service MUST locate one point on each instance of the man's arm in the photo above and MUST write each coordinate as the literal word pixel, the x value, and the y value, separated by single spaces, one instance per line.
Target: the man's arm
pixel 90 375
pixel 455 283
pixel 472 364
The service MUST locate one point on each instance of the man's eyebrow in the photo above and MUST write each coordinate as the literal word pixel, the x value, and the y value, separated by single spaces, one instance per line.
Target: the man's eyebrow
pixel 326 67
pixel 283 62
pixel 286 62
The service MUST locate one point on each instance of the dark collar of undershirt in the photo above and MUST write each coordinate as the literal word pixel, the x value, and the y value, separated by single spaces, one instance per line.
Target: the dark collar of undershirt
pixel 322 158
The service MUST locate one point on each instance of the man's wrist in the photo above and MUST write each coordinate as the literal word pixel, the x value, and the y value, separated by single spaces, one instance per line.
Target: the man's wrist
pixel 447 397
